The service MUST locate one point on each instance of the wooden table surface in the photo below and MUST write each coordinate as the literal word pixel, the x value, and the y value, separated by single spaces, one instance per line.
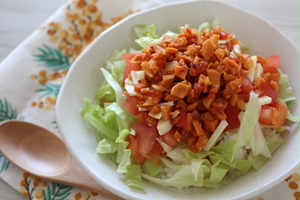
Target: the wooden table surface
pixel 20 18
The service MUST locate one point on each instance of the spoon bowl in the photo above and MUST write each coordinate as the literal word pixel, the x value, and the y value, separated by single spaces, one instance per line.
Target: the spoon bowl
pixel 44 154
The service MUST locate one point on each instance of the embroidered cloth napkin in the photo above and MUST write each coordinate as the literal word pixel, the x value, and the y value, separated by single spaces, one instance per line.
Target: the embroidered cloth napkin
pixel 31 76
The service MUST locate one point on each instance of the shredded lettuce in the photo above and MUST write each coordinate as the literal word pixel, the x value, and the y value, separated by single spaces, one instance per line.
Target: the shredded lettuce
pixel 151 168
pixel 134 177
pixel 145 30
pixel 147 35
pixel 203 26
pixel 207 25
pixel 123 154
pixel 292 118
pixel 122 117
pixel 115 85
pixel 258 143
pixel 116 65
pixel 215 136
pixel 286 95
pixel 285 91
pixel 248 123
pixel 102 121
pixel 106 146
pixel 105 92
pixel 273 141
pixel 184 168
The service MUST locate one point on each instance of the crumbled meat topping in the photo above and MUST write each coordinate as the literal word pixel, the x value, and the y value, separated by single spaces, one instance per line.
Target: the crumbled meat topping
pixel 202 73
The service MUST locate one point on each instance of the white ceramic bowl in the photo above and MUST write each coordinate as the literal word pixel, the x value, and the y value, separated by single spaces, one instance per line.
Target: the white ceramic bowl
pixel 84 78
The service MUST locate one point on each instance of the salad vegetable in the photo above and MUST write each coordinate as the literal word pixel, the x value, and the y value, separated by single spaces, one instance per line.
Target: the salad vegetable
pixel 189 108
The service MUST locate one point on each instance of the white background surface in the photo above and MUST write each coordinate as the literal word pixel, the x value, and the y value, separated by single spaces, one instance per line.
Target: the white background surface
pixel 19 18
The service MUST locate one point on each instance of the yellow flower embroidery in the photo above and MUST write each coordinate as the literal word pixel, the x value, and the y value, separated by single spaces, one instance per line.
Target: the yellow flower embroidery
pixel 83 23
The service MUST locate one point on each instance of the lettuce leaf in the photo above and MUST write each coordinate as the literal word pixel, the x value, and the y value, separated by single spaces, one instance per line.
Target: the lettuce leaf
pixel 273 141
pixel 115 85
pixel 286 95
pixel 258 143
pixel 198 171
pixel 103 122
pixel 106 146
pixel 116 64
pixel 134 177
pixel 248 120
pixel 292 118
pixel 147 35
pixel 152 169
pixel 123 154
pixel 285 90
pixel 122 117
pixel 105 92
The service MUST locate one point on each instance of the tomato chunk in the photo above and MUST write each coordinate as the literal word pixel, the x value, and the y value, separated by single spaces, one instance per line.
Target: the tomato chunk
pixel 136 156
pixel 273 114
pixel 130 105
pixel 128 56
pixel 169 138
pixel 272 64
pixel 232 118
pixel 268 90
pixel 145 139
pixel 246 86
pixel 282 112
pixel 265 116
pixel 180 120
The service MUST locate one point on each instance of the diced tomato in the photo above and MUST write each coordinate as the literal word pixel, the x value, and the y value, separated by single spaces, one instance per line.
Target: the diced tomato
pixel 268 90
pixel 265 116
pixel 280 119
pixel 154 94
pixel 247 86
pixel 127 57
pixel 130 105
pixel 232 118
pixel 272 64
pixel 169 138
pixel 137 157
pixel 156 154
pixel 273 114
pixel 224 35
pixel 146 139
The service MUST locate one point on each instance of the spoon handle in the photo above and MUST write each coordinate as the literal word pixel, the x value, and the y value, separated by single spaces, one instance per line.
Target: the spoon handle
pixel 75 176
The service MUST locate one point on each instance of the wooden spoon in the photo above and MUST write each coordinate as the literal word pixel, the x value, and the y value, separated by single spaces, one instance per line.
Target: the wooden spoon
pixel 43 154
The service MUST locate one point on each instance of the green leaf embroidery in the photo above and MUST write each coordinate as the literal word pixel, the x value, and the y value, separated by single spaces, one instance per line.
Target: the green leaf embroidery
pixel 4 163
pixel 57 191
pixel 7 111
pixel 49 89
pixel 55 125
pixel 52 58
